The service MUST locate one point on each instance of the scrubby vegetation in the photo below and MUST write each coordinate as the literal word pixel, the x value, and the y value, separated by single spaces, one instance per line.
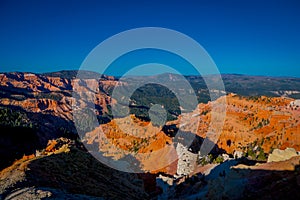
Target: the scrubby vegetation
pixel 254 151
pixel 13 118
pixel 209 159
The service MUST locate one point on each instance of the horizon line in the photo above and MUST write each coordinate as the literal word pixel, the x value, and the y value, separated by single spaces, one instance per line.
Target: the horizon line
pixel 143 75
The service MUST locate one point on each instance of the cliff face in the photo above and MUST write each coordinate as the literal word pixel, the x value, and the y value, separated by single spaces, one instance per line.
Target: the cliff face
pixel 259 121
pixel 266 122
pixel 46 94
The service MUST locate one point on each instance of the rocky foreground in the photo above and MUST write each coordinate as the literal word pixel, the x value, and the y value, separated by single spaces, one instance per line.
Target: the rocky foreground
pixel 65 171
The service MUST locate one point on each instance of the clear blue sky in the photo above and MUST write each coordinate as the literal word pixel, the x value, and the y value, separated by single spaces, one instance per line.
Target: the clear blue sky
pixel 253 37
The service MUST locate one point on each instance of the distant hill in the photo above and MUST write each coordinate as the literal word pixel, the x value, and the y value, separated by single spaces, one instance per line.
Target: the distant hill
pixel 262 85
pixel 71 74
pixel 245 85
pixel 254 85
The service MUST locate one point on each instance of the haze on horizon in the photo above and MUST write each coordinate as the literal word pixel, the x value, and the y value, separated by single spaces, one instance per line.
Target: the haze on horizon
pixel 242 37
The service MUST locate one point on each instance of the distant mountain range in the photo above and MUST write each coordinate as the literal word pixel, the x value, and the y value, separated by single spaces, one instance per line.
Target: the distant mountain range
pixel 245 85
pixel 44 86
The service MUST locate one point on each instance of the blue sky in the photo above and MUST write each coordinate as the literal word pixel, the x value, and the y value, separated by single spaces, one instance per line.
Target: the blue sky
pixel 242 36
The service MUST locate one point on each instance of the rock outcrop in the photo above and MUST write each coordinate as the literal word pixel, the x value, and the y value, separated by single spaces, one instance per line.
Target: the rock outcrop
pixel 186 160
pixel 282 155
